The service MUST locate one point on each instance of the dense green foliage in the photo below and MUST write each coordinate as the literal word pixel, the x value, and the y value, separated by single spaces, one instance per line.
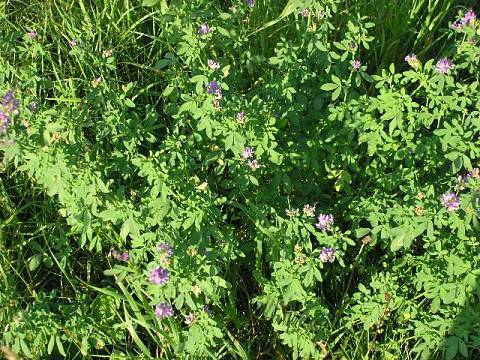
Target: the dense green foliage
pixel 240 179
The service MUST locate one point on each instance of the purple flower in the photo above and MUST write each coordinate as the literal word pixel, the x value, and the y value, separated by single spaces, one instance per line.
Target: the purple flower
pixel 325 222
pixel 121 256
pixel 253 164
pixel 456 25
pixel 190 318
pixel 473 174
pixel 469 18
pixel 204 29
pixel 251 3
pixel 4 122
pixel 73 43
pixel 241 117
pixel 444 65
pixel 309 210
pixel 352 45
pixel 291 212
pixel 305 12
pixel 163 311
pixel 9 103
pixel 159 276
pixel 32 34
pixel 166 252
pixel 327 255
pixel 412 60
pixel 207 309
pixel 165 249
pixel 450 201
pixel 248 153
pixel 212 64
pixel 213 88
pixel 356 64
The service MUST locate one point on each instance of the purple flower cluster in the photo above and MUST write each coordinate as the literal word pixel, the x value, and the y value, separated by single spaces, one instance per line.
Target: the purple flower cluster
pixel 9 107
pixel 120 256
pixel 309 210
pixel 327 255
pixel 4 122
pixel 463 181
pixel 190 318
pixel 248 152
pixel 325 222
pixel 32 34
pixel 473 174
pixel 9 103
pixel 468 19
pixel 450 201
pixel 166 252
pixel 253 164
pixel 444 65
pixel 163 311
pixel 412 60
pixel 356 64
pixel 241 117
pixel 291 212
pixel 214 88
pixel 251 3
pixel 159 276
pixel 305 13
pixel 166 248
pixel 204 29
pixel 73 43
pixel 212 64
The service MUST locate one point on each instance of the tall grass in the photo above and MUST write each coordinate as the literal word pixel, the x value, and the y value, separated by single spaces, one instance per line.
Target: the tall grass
pixel 404 27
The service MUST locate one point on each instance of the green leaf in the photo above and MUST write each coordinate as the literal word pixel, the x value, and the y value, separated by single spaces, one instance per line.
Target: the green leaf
pixel 435 306
pixel 253 180
pixel 401 238
pixel 129 103
pixel 148 3
pixel 117 355
pixel 336 93
pixel 462 348
pixel 25 349
pixel 336 80
pixel 168 90
pixel 329 86
pixel 35 262
pixel 60 346
pixel 51 343
pixel 451 345
pixel 361 232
